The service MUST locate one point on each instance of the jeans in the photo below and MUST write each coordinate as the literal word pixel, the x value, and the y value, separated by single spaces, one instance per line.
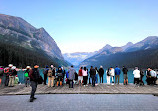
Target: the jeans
pixel 34 87
pixel 27 80
pixel 93 80
pixel 117 77
pixel 45 78
pixel 101 78
pixel 71 84
pixel 6 80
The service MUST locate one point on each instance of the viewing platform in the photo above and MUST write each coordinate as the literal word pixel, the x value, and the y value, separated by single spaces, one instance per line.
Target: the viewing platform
pixel 99 89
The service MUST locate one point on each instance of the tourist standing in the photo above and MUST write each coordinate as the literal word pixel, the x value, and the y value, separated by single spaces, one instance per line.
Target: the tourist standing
pixel 45 73
pixel 125 76
pixel 1 74
pixel 141 77
pixel 148 76
pixel 136 73
pixel 27 79
pixel 153 76
pixel 93 73
pixel 108 76
pixel 71 76
pixel 12 76
pixel 80 76
pixel 96 76
pixel 53 76
pixel 8 71
pixel 112 73
pixel 50 73
pixel 34 76
pixel 60 76
pixel 101 73
pixel 117 75
pixel 85 76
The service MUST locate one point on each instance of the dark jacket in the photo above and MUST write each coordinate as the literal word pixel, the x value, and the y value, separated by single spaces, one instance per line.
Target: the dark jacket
pixel 124 70
pixel 92 72
pixel 34 75
pixel 14 73
pixel 101 72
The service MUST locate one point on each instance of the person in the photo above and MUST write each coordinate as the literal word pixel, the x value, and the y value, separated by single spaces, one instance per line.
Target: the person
pixel 7 72
pixel 34 76
pixel 71 76
pixel 93 73
pixel 80 76
pixel 63 73
pixel 76 78
pixel 153 76
pixel 53 76
pixel 136 73
pixel 27 79
pixel 108 76
pixel 1 74
pixel 117 75
pixel 96 76
pixel 12 77
pixel 16 80
pixel 125 76
pixel 112 73
pixel 67 77
pixel 85 76
pixel 141 77
pixel 148 76
pixel 101 73
pixel 50 73
pixel 60 75
pixel 45 73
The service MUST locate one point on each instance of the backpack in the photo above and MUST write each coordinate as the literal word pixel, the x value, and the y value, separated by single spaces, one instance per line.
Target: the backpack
pixel 50 73
pixel 26 74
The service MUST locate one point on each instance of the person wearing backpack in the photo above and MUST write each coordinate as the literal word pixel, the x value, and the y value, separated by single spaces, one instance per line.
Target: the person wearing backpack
pixel 34 77
pixel 45 73
pixel 27 79
pixel 50 72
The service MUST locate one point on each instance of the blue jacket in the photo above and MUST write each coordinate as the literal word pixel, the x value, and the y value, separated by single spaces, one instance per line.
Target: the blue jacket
pixel 117 71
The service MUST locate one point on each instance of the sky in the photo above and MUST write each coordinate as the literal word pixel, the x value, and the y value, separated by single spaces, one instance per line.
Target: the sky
pixel 88 25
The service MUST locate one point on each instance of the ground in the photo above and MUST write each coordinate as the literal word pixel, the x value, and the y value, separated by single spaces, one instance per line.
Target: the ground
pixel 80 102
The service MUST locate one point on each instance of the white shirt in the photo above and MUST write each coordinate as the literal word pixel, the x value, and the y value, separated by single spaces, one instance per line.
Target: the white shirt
pixel 112 72
pixel 84 72
pixel 136 73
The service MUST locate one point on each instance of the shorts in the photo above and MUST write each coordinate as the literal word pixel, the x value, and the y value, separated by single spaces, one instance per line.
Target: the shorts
pixel 125 76
pixel 80 78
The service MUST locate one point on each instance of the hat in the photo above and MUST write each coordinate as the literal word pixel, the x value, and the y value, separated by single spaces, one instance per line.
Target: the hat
pixel 10 65
pixel 47 66
pixel 28 67
pixel 101 66
pixel 36 66
pixel 16 75
pixel 14 67
pixel 51 66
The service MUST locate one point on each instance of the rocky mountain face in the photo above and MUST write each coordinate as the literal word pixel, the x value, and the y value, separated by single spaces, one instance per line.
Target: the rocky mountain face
pixel 78 57
pixel 129 55
pixel 16 31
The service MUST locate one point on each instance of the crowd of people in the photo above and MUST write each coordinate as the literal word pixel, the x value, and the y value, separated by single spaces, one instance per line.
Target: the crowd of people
pixel 54 77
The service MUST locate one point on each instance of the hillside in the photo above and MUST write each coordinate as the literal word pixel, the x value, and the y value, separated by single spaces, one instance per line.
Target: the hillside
pixel 32 45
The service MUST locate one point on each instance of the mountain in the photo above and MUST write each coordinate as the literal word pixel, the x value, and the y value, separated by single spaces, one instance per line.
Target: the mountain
pixel 16 32
pixel 142 54
pixel 78 57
